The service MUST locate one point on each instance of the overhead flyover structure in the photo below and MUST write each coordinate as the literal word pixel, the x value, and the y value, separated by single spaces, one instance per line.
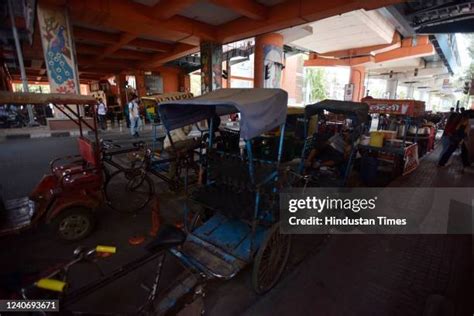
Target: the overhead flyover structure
pixel 136 36
pixel 387 44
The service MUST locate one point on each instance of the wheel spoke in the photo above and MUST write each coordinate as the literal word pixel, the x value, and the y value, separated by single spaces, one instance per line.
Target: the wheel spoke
pixel 271 260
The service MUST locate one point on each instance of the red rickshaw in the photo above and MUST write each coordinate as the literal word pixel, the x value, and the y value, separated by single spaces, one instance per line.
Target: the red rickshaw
pixel 66 197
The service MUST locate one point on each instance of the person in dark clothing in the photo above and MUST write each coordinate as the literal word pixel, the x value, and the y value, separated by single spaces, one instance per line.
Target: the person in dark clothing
pixel 449 130
pixel 455 139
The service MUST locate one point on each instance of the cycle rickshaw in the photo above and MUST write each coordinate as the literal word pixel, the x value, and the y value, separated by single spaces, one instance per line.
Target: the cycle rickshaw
pixel 66 197
pixel 232 220
pixel 327 118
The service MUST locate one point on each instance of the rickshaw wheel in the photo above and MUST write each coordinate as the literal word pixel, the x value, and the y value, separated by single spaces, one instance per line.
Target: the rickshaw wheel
pixel 270 260
pixel 128 191
pixel 74 223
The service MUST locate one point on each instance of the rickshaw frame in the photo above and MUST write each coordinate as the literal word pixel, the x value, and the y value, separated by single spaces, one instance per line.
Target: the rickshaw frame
pixel 218 103
pixel 172 240
pixel 51 197
pixel 356 111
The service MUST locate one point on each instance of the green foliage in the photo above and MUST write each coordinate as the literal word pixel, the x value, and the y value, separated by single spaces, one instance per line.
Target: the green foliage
pixel 314 80
pixel 470 49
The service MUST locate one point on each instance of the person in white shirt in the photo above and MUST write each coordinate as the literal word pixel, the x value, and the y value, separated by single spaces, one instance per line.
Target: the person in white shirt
pixel 102 114
pixel 134 114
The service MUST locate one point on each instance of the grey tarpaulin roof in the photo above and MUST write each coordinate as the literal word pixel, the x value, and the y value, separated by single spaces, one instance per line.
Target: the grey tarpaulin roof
pixel 261 109
pixel 354 110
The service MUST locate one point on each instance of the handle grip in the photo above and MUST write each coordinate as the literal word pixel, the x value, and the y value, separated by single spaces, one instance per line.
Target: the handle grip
pixel 51 284
pixel 106 249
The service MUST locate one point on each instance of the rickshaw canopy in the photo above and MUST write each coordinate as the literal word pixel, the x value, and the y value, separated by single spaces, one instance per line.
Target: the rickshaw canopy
pixel 22 98
pixel 261 109
pixel 357 111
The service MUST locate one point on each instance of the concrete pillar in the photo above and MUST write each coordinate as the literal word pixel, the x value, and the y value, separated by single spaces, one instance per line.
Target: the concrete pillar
pixel 226 81
pixel 211 66
pixel 184 83
pixel 58 49
pixel 410 91
pixel 391 88
pixel 268 61
pixel 121 82
pixel 357 80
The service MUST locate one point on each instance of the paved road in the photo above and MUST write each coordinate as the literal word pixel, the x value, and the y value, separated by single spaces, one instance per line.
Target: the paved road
pixel 23 162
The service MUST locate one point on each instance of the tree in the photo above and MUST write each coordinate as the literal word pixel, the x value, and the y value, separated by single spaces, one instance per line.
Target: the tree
pixel 469 74
pixel 470 38
pixel 314 80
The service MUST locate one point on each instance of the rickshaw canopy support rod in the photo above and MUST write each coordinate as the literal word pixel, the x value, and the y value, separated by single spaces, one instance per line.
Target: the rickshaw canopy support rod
pixel 24 78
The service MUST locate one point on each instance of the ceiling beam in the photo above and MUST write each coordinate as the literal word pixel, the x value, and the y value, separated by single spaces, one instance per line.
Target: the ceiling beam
pixel 101 68
pixel 409 49
pixel 333 62
pixel 85 34
pixel 131 54
pixel 406 53
pixel 166 9
pixel 126 16
pixel 367 50
pixel 86 65
pixel 180 50
pixel 125 38
pixel 85 49
pixel 151 45
pixel 247 8
pixel 292 13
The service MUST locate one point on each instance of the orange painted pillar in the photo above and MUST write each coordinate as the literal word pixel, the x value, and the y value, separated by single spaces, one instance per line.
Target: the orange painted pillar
pixel 121 82
pixel 268 61
pixel 357 79
pixel 184 83
pixel 141 87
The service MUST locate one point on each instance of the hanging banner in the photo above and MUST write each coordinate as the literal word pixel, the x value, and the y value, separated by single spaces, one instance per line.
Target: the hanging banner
pixel 58 50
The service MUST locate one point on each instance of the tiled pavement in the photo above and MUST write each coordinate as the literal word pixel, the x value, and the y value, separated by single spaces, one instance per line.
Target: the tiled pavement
pixel 376 275
pixel 383 274
pixel 428 174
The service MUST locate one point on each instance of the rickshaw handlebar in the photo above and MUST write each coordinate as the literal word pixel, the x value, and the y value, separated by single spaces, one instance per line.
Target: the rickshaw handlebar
pixel 49 283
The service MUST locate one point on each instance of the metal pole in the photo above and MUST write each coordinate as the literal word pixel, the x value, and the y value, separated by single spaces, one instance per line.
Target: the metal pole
pixel 24 79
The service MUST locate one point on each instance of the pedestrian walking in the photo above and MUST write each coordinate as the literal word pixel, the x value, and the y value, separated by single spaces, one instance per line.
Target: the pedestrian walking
pixel 456 139
pixel 449 130
pixel 102 114
pixel 134 115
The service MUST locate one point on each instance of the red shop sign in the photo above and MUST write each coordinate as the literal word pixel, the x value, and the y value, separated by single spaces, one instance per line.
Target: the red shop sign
pixel 410 158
